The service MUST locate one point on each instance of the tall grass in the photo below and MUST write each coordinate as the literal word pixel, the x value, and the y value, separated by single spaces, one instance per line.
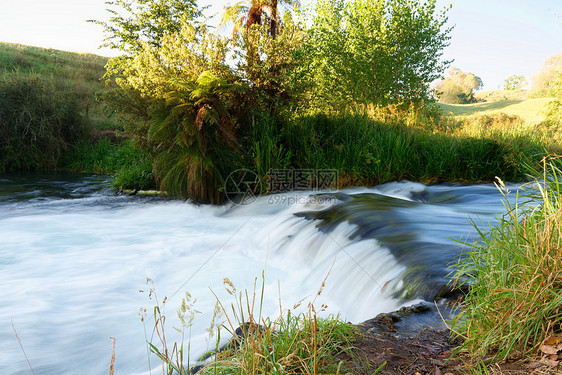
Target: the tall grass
pixel 371 148
pixel 131 167
pixel 79 71
pixel 39 122
pixel 514 270
pixel 290 344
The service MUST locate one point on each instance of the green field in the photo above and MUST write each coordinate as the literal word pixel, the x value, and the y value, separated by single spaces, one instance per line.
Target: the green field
pixel 530 110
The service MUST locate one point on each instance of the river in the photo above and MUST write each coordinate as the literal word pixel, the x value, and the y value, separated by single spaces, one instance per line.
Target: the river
pixel 74 258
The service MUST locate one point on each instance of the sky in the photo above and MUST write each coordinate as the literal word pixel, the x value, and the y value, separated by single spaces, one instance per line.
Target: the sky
pixel 492 39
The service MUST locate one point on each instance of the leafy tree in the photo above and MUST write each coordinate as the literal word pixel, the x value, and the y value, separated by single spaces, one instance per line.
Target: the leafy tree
pixel 266 52
pixel 544 82
pixel 383 51
pixel 515 82
pixel 136 22
pixel 458 87
pixel 245 14
pixel 187 105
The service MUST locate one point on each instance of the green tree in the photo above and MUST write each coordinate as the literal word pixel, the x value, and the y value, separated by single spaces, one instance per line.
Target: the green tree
pixel 186 105
pixel 458 87
pixel 136 22
pixel 267 51
pixel 544 82
pixel 245 14
pixel 383 51
pixel 515 82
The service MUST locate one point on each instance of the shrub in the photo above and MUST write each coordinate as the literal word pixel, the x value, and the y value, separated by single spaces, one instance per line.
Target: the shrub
pixel 38 122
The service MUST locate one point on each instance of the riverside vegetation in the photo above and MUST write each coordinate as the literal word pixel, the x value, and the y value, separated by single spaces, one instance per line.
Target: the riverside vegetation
pixel 345 87
pixel 51 118
pixel 512 310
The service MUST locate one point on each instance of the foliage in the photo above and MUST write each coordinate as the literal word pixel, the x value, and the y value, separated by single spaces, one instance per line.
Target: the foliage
pixel 381 52
pixel 554 115
pixel 290 344
pixel 188 108
pixel 374 146
pixel 515 82
pixel 136 23
pixel 132 168
pixel 39 121
pixel 514 272
pixel 458 87
pixel 544 82
pixel 271 63
pixel 76 72
pixel 195 137
pixel 246 14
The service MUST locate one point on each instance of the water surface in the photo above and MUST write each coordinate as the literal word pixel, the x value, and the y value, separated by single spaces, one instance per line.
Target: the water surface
pixel 74 258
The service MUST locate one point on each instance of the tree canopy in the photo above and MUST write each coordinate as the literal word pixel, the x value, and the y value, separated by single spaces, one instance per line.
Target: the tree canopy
pixel 193 94
pixel 383 51
pixel 458 87
pixel 515 82
pixel 133 23
pixel 544 82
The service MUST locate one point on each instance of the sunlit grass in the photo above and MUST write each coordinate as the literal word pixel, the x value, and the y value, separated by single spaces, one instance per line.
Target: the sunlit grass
pixel 515 298
pixel 79 71
pixel 530 110
pixel 300 343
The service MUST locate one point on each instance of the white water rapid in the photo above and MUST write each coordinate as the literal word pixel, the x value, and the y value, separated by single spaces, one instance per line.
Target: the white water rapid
pixel 73 258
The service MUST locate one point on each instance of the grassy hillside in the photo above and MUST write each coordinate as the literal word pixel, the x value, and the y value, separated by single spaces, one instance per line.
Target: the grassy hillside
pixel 77 72
pixel 50 118
pixel 530 110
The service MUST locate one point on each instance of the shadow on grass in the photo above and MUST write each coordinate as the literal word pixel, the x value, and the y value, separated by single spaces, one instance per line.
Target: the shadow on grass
pixel 470 109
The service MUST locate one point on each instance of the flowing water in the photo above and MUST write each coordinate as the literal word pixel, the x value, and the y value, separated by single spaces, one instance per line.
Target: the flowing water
pixel 74 258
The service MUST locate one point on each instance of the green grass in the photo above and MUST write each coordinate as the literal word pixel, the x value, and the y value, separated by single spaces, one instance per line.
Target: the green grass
pixel 40 121
pixel 514 270
pixel 530 110
pixel 132 168
pixel 80 71
pixel 51 119
pixel 370 148
pixel 289 344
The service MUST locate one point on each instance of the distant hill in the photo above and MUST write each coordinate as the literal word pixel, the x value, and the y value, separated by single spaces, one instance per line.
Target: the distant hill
pixel 79 72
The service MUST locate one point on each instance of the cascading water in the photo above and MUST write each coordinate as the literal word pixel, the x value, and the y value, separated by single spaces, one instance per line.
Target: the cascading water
pixel 73 257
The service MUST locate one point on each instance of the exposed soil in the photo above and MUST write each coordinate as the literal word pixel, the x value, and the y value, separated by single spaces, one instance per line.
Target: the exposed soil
pixel 427 352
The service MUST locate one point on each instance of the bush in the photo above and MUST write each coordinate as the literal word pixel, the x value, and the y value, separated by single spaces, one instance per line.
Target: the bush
pixel 38 122
pixel 515 299
pixel 132 168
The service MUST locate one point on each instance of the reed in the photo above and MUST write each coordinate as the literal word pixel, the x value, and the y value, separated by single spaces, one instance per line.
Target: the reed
pixel 514 269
